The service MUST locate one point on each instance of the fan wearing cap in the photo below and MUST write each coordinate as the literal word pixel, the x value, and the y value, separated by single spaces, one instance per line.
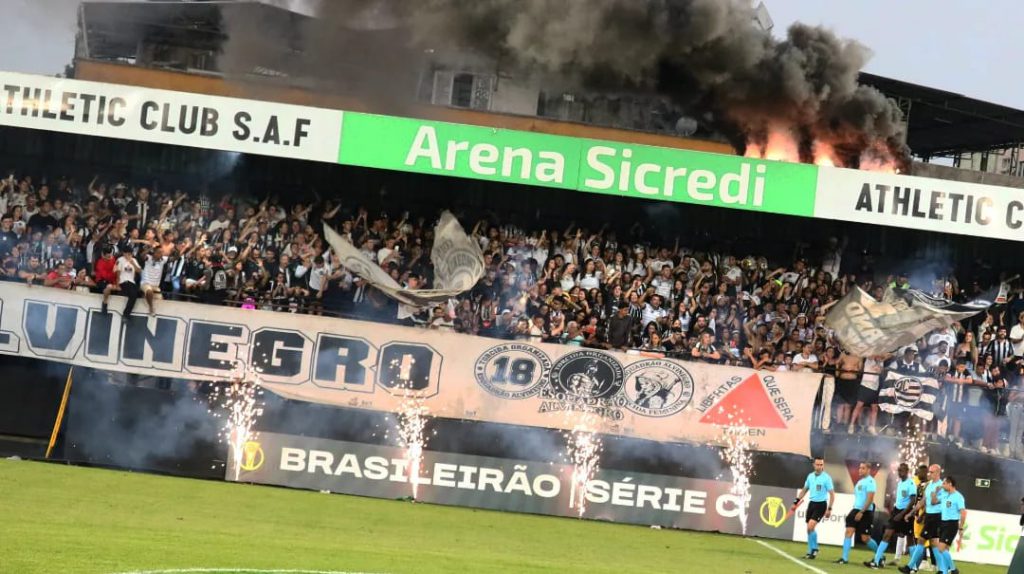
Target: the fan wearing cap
pixel 907 363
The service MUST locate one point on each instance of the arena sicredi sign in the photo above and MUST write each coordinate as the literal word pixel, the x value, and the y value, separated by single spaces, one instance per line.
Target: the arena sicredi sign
pixel 528 158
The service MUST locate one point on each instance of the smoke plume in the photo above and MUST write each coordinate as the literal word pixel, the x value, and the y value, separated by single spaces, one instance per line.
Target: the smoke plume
pixel 709 56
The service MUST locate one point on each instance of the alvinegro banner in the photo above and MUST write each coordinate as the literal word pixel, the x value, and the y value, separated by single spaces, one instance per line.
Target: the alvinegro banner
pixel 509 485
pixel 370 366
pixel 868 327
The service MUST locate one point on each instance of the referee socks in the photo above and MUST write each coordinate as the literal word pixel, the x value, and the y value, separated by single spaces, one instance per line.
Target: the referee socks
pixel 880 553
pixel 916 554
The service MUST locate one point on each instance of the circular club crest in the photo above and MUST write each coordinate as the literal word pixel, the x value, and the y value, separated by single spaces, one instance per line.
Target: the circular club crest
pixel 908 391
pixel 657 388
pixel 587 374
pixel 512 371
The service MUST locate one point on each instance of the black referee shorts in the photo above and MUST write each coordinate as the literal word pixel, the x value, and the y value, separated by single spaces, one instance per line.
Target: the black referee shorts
pixel 816 511
pixel 931 526
pixel 898 523
pixel 862 526
pixel 948 530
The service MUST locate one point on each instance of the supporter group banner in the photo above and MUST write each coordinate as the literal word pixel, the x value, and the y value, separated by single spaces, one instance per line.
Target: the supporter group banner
pixel 167 117
pixel 926 204
pixel 510 485
pixel 369 366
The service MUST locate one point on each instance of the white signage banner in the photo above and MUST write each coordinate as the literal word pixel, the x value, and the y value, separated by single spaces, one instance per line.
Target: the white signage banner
pixel 167 117
pixel 374 366
pixel 990 538
pixel 927 204
pixel 830 530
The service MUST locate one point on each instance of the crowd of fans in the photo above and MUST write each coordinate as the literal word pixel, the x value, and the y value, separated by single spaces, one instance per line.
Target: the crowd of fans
pixel 583 287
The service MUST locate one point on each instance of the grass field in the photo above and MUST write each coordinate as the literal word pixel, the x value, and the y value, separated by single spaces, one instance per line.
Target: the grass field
pixel 61 519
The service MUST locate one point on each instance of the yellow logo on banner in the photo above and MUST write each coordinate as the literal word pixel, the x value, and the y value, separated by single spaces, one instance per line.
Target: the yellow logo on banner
pixel 773 511
pixel 252 456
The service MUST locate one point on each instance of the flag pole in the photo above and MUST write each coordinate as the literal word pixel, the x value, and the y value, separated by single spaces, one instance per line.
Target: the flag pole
pixel 60 413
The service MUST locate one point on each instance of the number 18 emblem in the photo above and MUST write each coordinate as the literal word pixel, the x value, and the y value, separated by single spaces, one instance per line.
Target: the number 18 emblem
pixel 513 370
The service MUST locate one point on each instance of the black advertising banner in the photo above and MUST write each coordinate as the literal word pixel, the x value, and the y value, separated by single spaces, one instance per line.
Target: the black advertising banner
pixel 511 485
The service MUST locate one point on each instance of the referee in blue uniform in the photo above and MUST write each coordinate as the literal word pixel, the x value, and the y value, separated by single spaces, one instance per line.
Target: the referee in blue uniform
pixel 932 503
pixel 906 496
pixel 862 516
pixel 819 505
pixel 954 513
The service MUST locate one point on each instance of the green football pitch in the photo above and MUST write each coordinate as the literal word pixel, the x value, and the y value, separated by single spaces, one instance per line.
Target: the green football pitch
pixel 61 519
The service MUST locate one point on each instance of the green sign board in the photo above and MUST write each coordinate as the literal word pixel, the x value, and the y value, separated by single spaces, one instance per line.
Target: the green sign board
pixel 527 158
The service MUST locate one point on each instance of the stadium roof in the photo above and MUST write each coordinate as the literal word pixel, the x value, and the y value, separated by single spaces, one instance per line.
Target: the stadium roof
pixel 943 123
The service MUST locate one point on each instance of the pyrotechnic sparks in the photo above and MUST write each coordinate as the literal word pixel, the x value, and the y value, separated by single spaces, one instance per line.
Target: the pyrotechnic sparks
pixel 736 453
pixel 583 449
pixel 411 423
pixel 240 403
pixel 912 450
pixel 583 444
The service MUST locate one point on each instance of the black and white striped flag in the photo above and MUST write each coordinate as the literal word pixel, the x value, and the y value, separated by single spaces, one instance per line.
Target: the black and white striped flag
pixel 908 394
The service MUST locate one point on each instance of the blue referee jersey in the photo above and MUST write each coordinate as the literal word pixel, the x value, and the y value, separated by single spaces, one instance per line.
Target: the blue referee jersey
pixel 818 486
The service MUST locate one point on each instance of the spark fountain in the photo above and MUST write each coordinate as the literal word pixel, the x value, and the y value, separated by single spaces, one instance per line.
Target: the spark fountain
pixel 240 403
pixel 583 444
pixel 737 454
pixel 411 423
pixel 583 450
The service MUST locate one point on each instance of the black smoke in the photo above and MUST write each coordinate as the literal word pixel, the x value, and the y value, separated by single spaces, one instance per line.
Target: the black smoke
pixel 708 56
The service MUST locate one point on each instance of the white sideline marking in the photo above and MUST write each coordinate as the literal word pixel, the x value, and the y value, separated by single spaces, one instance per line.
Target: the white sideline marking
pixel 241 570
pixel 784 555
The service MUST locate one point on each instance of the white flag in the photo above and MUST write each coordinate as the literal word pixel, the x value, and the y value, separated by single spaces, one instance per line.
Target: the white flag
pixel 458 265
pixel 868 327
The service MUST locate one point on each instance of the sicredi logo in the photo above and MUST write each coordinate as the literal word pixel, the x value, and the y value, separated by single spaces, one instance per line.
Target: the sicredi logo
pixel 617 172
pixel 994 538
